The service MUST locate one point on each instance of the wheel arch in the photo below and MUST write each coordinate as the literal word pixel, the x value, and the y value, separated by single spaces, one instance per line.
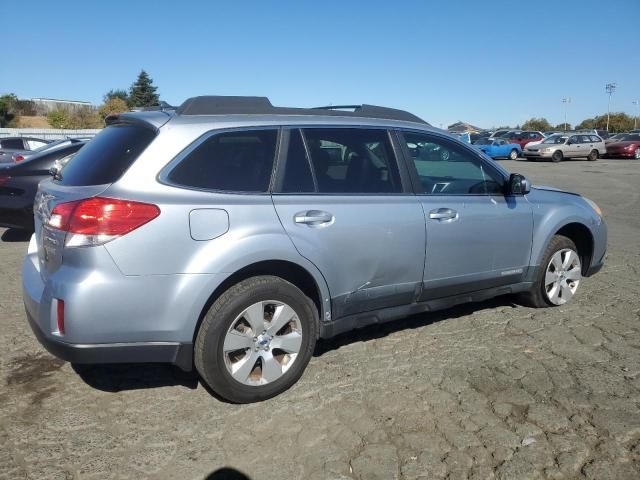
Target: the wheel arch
pixel 314 286
pixel 579 234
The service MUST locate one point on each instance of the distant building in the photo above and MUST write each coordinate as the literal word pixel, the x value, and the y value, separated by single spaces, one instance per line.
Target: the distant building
pixel 461 127
pixel 46 105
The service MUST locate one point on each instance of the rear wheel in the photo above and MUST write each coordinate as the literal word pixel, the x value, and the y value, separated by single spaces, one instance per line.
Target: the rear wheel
pixel 559 276
pixel 557 156
pixel 256 339
pixel 513 154
pixel 593 156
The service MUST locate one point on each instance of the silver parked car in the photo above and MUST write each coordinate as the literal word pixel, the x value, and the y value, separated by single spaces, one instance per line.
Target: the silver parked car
pixel 231 235
pixel 572 145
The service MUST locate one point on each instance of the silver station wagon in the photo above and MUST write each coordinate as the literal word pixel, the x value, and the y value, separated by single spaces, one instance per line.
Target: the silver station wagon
pixel 230 235
pixel 563 146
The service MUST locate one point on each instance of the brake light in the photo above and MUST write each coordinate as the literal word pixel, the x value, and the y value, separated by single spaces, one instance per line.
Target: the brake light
pixel 98 220
pixel 19 158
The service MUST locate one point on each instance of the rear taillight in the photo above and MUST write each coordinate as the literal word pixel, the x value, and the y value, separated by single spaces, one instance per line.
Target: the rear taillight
pixel 4 179
pixel 19 158
pixel 95 221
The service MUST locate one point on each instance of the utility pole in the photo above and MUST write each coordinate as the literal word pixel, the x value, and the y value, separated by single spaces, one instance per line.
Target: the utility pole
pixel 566 101
pixel 635 118
pixel 610 88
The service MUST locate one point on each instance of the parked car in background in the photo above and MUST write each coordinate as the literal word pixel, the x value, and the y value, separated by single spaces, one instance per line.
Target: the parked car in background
pixel 19 184
pixel 231 235
pixel 601 133
pixel 559 147
pixel 479 135
pixel 524 138
pixel 499 133
pixel 11 145
pixel 23 155
pixel 615 137
pixel 498 148
pixel 627 146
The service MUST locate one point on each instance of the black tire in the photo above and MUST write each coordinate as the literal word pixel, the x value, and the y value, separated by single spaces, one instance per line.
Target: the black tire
pixel 557 156
pixel 209 357
pixel 593 156
pixel 537 296
pixel 513 154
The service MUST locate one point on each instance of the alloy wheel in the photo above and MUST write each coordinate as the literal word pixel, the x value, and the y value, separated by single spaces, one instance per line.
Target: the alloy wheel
pixel 262 343
pixel 562 276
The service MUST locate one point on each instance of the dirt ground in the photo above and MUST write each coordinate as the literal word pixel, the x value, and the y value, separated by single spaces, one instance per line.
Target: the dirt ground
pixel 491 390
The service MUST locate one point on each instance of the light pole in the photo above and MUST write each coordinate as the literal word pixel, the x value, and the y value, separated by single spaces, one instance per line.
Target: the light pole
pixel 610 88
pixel 566 101
pixel 635 118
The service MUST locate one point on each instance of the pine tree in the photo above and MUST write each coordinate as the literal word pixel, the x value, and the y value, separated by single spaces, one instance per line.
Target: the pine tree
pixel 143 93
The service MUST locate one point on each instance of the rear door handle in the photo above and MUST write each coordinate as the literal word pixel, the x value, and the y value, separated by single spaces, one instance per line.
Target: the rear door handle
pixel 443 214
pixel 313 217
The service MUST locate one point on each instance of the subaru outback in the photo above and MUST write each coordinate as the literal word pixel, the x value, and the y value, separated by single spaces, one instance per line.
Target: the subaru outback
pixel 230 235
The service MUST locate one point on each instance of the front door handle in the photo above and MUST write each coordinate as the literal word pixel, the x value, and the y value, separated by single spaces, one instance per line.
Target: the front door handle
pixel 443 214
pixel 313 218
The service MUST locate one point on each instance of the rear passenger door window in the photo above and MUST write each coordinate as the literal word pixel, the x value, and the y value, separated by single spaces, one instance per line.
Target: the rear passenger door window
pixel 444 168
pixel 352 161
pixel 234 161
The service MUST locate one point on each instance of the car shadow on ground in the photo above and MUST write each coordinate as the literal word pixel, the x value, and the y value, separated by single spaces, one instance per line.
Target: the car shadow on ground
pixel 123 377
pixel 16 235
pixel 381 330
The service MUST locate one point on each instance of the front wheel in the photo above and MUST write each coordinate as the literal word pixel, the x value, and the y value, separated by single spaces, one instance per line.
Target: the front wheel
pixel 513 155
pixel 559 276
pixel 557 156
pixel 593 156
pixel 256 339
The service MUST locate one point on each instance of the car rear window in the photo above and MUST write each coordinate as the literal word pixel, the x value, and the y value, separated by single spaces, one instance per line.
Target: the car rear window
pixel 12 144
pixel 107 156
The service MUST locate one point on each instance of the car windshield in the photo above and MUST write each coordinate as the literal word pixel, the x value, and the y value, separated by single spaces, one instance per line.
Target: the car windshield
pixel 630 137
pixel 555 139
pixel 484 141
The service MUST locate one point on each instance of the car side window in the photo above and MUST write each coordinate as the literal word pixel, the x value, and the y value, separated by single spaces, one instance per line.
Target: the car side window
pixel 33 144
pixel 353 160
pixel 12 144
pixel 238 161
pixel 573 139
pixel 445 168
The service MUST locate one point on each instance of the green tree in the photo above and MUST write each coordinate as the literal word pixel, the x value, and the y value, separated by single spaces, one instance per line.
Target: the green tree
pixel 112 106
pixel 116 93
pixel 7 103
pixel 143 93
pixel 59 118
pixel 539 124
pixel 561 127
pixel 618 122
pixel 587 123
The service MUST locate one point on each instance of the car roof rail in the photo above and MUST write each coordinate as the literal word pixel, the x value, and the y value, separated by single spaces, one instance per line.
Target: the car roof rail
pixel 230 105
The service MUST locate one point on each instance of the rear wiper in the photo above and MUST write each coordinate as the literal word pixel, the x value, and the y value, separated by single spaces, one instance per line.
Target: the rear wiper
pixel 55 173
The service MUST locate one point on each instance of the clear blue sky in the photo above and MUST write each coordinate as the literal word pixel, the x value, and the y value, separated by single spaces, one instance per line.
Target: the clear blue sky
pixel 485 62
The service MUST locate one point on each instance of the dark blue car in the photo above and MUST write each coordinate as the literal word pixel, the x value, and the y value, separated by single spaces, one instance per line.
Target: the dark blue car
pixel 498 148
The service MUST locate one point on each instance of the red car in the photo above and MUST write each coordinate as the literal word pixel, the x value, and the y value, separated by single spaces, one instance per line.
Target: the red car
pixel 522 138
pixel 627 147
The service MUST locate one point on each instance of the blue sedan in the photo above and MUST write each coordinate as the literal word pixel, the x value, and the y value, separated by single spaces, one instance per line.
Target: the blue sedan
pixel 497 147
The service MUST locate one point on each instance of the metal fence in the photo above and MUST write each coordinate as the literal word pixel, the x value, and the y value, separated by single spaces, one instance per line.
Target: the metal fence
pixel 48 133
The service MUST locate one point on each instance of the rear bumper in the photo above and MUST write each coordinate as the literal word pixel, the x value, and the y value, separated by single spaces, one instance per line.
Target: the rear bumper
pixel 180 354
pixel 111 317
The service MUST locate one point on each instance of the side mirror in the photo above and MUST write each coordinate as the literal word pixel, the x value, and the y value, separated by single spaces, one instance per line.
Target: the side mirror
pixel 518 185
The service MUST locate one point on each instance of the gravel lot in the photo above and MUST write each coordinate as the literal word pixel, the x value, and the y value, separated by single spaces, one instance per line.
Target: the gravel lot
pixel 491 390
